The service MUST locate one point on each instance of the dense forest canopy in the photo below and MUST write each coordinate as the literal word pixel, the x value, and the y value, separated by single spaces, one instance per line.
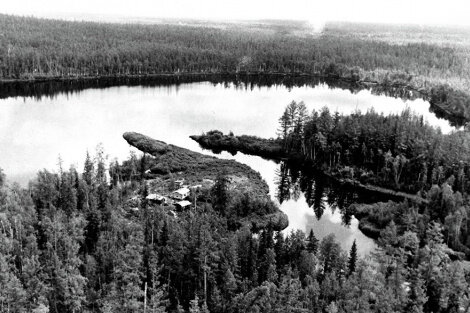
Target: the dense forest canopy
pixel 90 240
pixel 399 152
pixel 32 48
pixel 51 47
pixel 384 153
pixel 73 242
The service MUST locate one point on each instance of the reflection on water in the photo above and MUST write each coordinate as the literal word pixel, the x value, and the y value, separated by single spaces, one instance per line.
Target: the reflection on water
pixel 293 179
pixel 325 212
pixel 34 131
pixel 324 202
pixel 53 88
pixel 301 216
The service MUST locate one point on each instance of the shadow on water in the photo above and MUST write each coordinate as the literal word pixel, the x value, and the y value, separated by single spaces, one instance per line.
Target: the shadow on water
pixel 320 191
pixel 51 88
pixel 72 116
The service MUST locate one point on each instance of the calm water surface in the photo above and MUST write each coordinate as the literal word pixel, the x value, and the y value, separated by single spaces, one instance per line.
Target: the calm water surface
pixel 34 132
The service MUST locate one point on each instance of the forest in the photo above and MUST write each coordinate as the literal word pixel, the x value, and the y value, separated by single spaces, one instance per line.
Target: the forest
pixel 397 151
pixel 37 47
pixel 40 49
pixel 90 240
pixel 70 242
pixel 398 155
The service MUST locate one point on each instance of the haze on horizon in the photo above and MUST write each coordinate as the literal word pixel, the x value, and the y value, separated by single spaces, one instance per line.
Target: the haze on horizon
pixel 424 12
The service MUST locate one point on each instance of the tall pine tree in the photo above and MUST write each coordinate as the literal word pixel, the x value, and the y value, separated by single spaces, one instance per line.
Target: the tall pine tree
pixel 352 258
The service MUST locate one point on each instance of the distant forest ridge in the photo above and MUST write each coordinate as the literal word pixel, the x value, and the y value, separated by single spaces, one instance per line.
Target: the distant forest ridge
pixel 435 61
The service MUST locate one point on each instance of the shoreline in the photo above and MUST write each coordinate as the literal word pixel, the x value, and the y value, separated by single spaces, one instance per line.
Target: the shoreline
pixel 264 148
pixel 170 162
pixel 272 150
pixel 365 84
pixel 437 96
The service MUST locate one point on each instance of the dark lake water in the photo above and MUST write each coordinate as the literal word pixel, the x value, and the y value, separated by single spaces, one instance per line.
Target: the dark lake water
pixel 35 131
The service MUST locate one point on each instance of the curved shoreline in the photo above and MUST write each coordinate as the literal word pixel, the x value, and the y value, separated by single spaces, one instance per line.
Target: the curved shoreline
pixel 194 167
pixel 204 76
pixel 438 99
pixel 272 150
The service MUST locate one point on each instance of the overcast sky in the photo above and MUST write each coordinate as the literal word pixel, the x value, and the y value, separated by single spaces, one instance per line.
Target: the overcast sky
pixel 389 11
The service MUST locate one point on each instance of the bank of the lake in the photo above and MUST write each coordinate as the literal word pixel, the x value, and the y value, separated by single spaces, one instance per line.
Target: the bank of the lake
pixel 48 123
pixel 193 169
pixel 273 149
pixel 79 119
pixel 398 155
pixel 444 101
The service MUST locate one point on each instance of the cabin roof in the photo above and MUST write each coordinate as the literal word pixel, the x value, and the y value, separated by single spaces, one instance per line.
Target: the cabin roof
pixel 182 191
pixel 183 203
pixel 154 196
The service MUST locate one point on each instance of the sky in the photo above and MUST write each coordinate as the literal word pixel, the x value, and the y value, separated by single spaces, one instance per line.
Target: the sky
pixel 449 12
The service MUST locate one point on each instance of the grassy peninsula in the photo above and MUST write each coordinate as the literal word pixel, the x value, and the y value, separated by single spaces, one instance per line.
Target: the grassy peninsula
pixel 80 242
pixel 171 230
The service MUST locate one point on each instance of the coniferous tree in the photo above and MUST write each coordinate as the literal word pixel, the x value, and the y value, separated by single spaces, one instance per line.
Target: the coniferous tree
pixel 352 258
pixel 284 127
pixel 280 250
pixel 156 295
pixel 329 253
pixel 289 295
pixel 417 298
pixel 88 170
pixel 220 194
pixel 312 245
pixel 229 285
pixel 12 293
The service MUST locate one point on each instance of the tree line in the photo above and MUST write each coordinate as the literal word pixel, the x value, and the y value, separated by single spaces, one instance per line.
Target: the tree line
pixel 36 47
pixel 32 48
pixel 70 243
pixel 396 151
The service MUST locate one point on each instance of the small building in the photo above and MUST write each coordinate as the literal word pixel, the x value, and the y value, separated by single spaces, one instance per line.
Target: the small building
pixel 156 198
pixel 195 187
pixel 152 196
pixel 181 193
pixel 183 204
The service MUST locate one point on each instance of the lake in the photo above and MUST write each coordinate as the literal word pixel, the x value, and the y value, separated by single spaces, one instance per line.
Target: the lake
pixel 35 131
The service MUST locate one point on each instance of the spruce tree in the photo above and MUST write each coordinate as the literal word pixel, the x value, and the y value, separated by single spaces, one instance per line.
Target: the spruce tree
pixel 312 245
pixel 352 258
pixel 220 194
pixel 279 250
pixel 88 170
